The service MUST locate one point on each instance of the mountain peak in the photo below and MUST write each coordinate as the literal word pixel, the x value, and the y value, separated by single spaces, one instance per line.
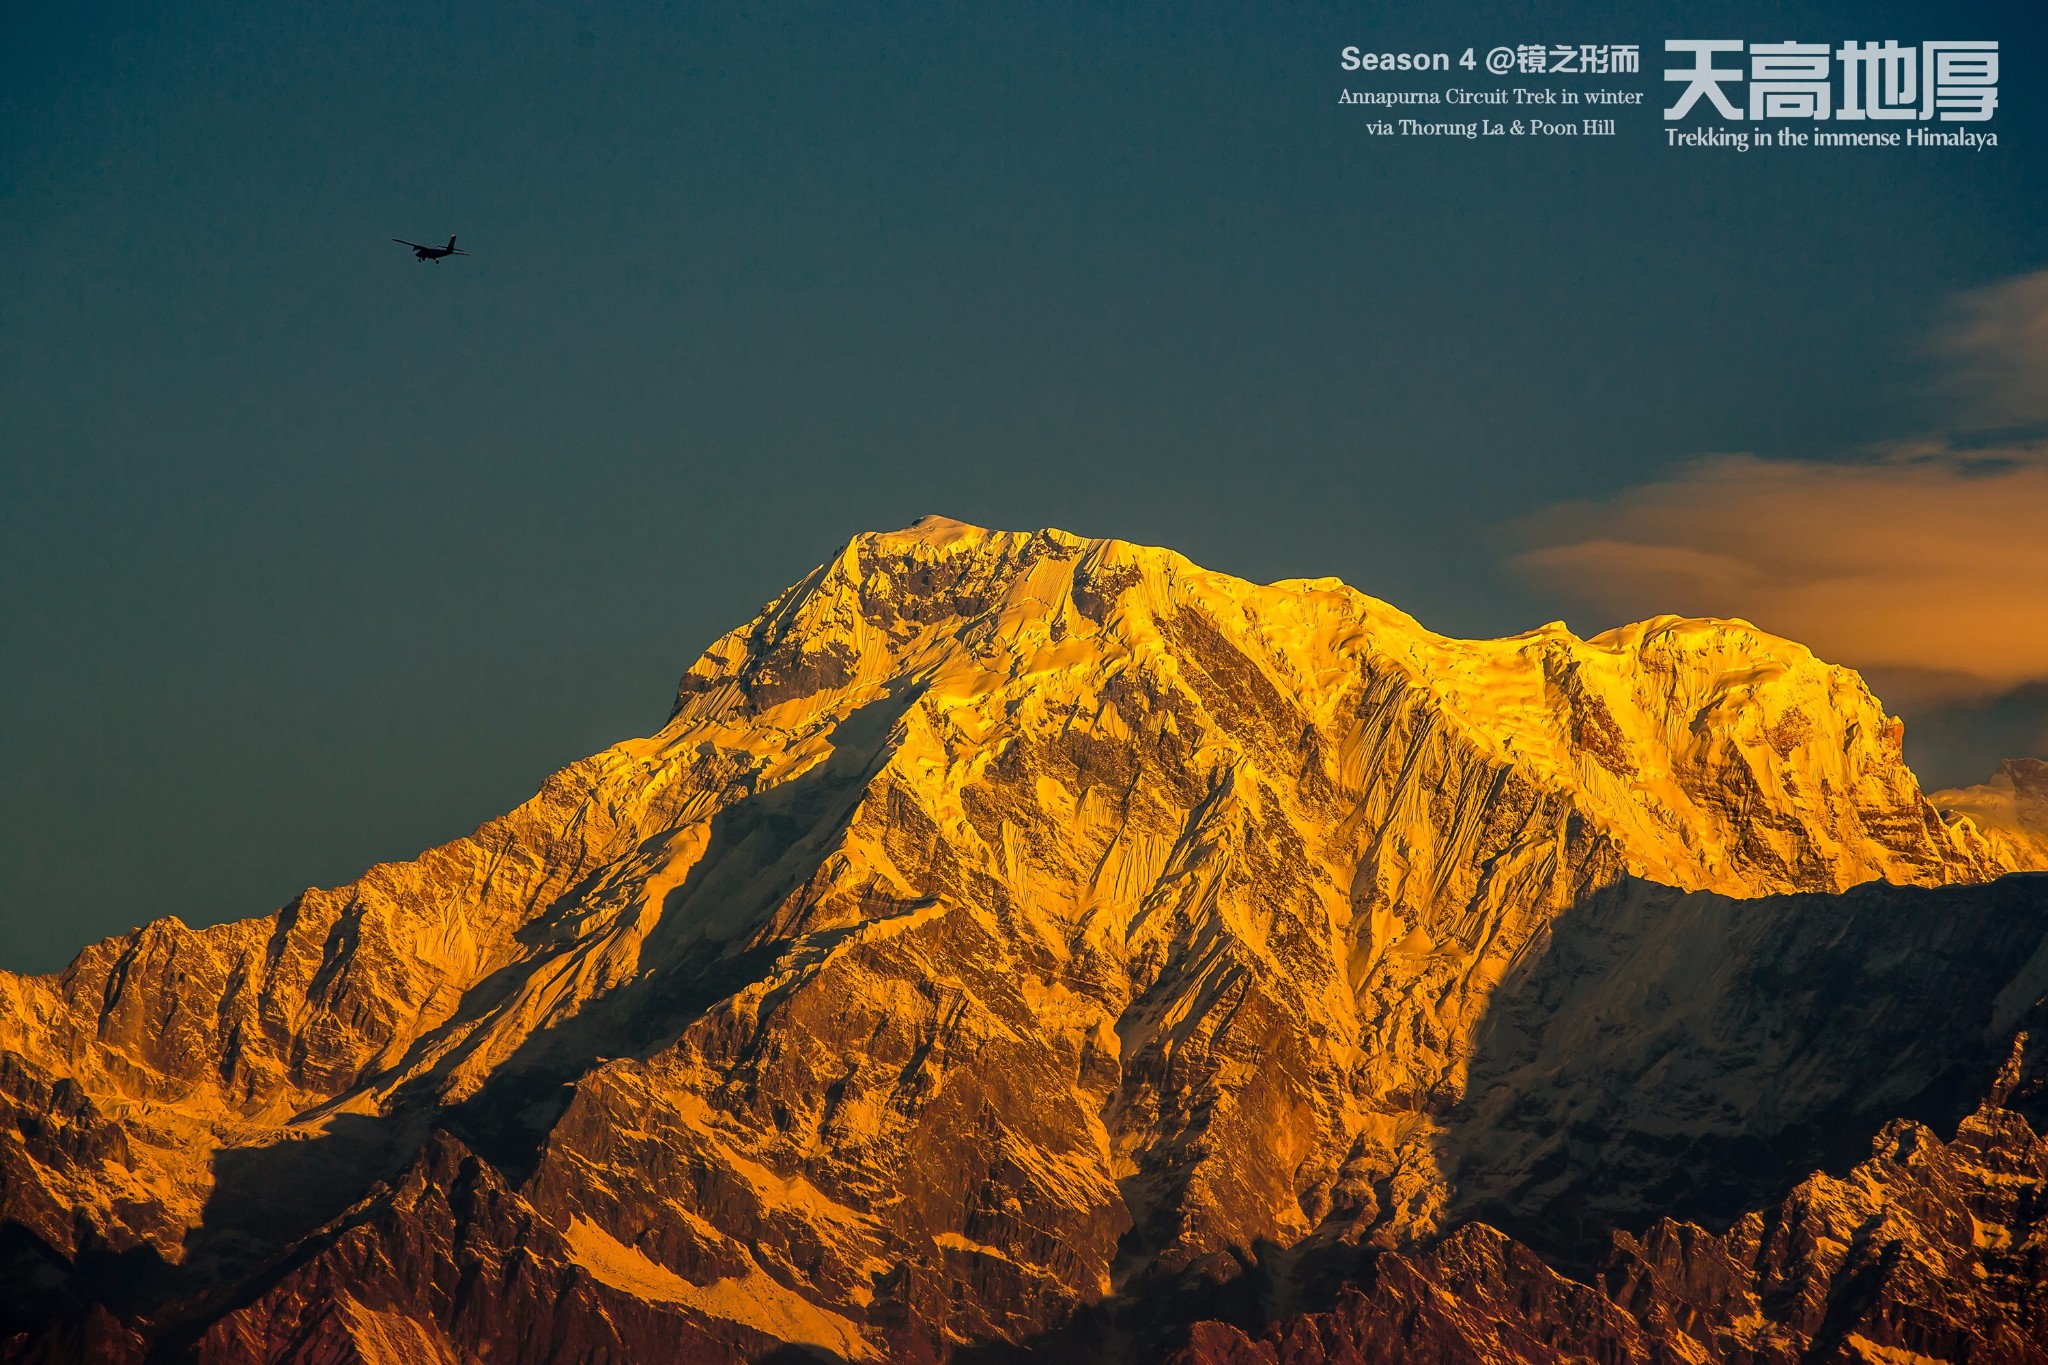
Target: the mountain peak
pixel 930 529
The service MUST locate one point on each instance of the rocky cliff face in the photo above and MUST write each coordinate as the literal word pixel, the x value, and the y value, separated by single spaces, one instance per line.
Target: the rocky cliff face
pixel 1925 1251
pixel 1011 934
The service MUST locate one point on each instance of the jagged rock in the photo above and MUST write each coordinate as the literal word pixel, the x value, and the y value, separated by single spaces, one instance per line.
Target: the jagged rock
pixel 1927 1251
pixel 1009 931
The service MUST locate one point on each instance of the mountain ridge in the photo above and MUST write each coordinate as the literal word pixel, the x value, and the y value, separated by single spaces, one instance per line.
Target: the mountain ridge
pixel 1215 884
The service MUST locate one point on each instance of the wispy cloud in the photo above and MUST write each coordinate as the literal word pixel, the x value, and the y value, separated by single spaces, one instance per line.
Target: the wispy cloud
pixel 1994 351
pixel 1932 562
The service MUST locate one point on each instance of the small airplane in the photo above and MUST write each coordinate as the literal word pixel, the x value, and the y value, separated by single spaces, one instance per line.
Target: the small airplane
pixel 431 253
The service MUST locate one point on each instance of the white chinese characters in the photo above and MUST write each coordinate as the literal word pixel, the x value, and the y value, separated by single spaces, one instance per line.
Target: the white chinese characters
pixel 1571 59
pixel 1956 82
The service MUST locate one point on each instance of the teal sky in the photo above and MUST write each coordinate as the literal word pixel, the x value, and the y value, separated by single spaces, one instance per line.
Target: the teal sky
pixel 311 556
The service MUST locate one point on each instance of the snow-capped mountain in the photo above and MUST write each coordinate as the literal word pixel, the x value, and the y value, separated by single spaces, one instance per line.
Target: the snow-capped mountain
pixel 1018 939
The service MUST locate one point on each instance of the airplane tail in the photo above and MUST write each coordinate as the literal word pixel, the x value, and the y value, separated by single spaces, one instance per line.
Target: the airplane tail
pixel 451 241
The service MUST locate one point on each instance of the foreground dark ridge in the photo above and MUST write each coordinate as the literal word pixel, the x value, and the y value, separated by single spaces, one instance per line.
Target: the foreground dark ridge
pixel 1926 1251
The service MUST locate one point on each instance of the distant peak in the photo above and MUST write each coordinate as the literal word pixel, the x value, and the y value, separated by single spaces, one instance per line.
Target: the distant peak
pixel 2014 799
pixel 2025 772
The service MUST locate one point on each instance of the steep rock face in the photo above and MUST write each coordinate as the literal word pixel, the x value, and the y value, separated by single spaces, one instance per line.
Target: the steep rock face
pixel 445 1264
pixel 1000 922
pixel 190 1041
pixel 1926 1251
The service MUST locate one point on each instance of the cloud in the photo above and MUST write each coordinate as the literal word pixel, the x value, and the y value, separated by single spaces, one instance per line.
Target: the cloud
pixel 1929 565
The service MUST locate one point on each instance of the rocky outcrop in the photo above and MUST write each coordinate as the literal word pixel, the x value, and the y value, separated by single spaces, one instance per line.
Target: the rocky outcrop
pixel 445 1263
pixel 1926 1251
pixel 1010 931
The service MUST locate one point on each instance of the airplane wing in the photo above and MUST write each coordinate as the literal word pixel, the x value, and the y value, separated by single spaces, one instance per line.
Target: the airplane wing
pixel 415 245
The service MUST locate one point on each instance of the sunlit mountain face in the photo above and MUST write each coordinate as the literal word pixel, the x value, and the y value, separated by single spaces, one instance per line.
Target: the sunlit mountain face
pixel 1021 945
